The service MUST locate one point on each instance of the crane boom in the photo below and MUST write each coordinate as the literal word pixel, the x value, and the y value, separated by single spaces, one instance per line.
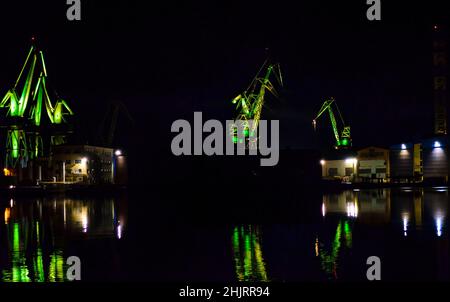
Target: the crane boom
pixel 249 104
pixel 344 139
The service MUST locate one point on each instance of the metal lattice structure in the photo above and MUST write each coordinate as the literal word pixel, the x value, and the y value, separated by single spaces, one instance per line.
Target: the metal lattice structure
pixel 343 140
pixel 249 104
pixel 26 101
pixel 107 128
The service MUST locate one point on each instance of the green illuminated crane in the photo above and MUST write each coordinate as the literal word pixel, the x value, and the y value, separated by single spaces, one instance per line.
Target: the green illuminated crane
pixel 249 104
pixel 25 102
pixel 343 140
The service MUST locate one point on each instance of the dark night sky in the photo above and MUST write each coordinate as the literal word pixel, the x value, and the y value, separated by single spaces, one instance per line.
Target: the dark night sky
pixel 166 60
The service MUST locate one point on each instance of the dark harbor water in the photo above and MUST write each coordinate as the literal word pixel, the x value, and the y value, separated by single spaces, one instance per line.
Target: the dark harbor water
pixel 139 239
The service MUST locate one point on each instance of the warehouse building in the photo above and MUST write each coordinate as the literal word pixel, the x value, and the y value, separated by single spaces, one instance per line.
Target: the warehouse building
pixel 340 166
pixel 401 158
pixel 425 161
pixel 88 164
pixel 435 159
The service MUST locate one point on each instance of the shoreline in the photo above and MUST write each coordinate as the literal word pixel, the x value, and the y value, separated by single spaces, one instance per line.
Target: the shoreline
pixel 63 189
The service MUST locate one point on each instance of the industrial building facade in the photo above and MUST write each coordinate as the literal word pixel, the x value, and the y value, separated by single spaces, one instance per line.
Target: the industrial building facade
pixel 424 161
pixel 435 159
pixel 83 163
pixel 340 166
pixel 366 165
pixel 373 164
pixel 401 158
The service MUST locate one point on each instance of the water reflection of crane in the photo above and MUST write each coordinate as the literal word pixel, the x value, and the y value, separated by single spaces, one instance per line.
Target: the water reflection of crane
pixel 370 206
pixel 413 210
pixel 329 254
pixel 248 257
pixel 33 235
pixel 29 256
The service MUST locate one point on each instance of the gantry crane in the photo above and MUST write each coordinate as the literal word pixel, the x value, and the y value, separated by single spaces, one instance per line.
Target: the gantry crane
pixel 249 104
pixel 343 140
pixel 25 101
pixel 107 128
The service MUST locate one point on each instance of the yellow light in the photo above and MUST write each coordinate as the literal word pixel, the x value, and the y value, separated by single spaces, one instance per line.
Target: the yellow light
pixel 7 215
pixel 322 162
pixel 316 247
pixel 7 172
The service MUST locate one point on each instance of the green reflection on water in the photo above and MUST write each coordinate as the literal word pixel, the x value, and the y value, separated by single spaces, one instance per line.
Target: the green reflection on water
pixel 56 267
pixel 35 233
pixel 18 271
pixel 248 256
pixel 348 234
pixel 22 243
pixel 329 259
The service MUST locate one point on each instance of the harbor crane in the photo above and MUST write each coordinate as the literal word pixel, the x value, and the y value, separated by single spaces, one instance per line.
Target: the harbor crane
pixel 249 104
pixel 108 125
pixel 343 138
pixel 27 102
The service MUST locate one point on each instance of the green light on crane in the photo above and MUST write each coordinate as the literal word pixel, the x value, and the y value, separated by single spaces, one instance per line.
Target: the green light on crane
pixel 249 104
pixel 15 144
pixel 31 85
pixel 343 139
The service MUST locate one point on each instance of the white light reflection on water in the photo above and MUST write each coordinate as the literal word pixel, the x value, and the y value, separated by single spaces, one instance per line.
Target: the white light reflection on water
pixel 405 218
pixel 36 233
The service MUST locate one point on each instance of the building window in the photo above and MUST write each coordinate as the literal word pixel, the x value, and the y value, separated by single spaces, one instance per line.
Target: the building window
pixel 78 161
pixel 68 161
pixel 332 171
pixel 365 171
pixel 79 170
pixel 348 171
